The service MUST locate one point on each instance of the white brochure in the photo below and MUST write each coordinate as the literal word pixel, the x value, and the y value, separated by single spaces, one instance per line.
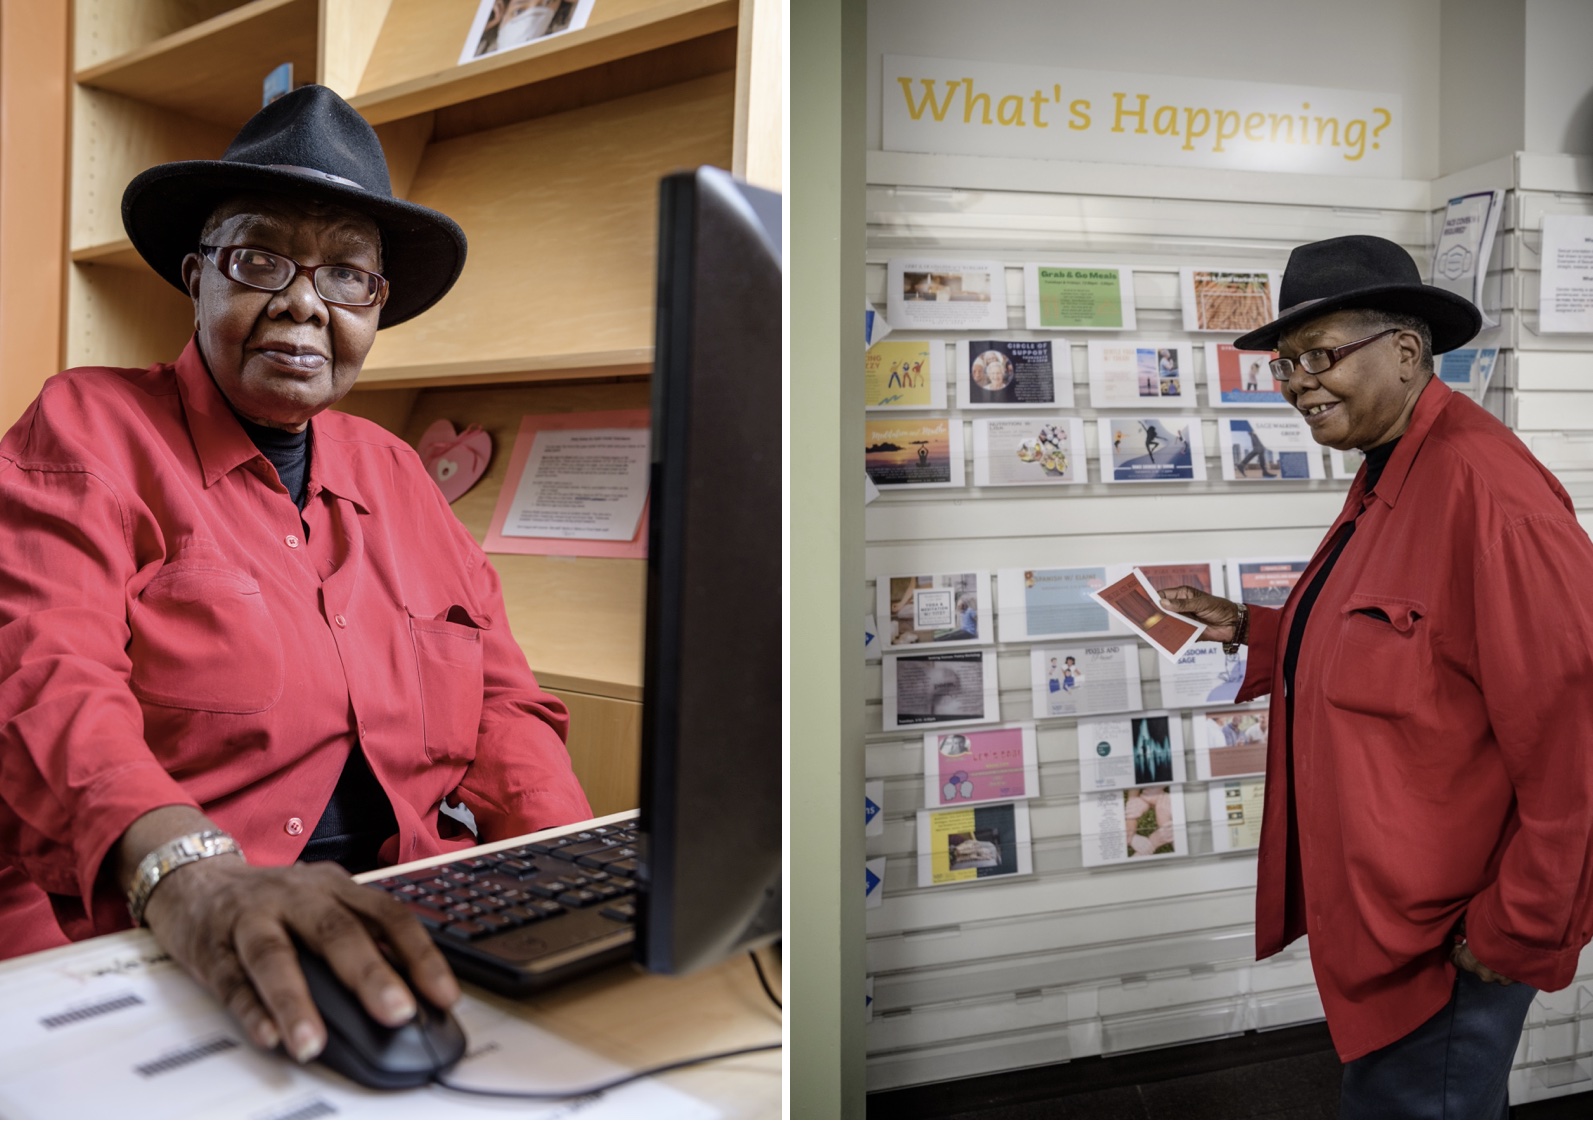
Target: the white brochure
pixel 1131 751
pixel 1014 373
pixel 940 609
pixel 948 688
pixel 1028 452
pixel 1095 678
pixel 1262 447
pixel 1144 375
pixel 1132 825
pixel 938 294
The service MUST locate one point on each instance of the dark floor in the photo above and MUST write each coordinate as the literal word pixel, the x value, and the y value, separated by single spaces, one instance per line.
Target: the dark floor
pixel 1283 1074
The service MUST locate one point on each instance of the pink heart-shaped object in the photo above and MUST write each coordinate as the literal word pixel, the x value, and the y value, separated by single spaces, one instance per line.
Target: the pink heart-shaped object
pixel 455 461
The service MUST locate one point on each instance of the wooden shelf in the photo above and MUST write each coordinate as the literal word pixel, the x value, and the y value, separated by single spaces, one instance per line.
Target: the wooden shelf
pixel 119 254
pixel 529 368
pixel 562 217
pixel 196 71
pixel 413 68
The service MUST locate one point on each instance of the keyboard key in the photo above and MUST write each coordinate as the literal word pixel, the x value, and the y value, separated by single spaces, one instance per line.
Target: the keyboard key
pixel 574 852
pixel 625 867
pixel 461 894
pixel 624 912
pixel 471 865
pixel 492 903
pixel 597 859
pixel 579 898
pixel 624 883
pixel 596 875
pixel 606 892
pixel 403 892
pixel 466 929
pixel 392 883
pixel 434 900
pixel 546 909
pixel 514 896
pixel 493 922
pixel 548 846
pixel 549 889
pixel 431 918
pixel 516 867
pixel 517 916
pixel 463 910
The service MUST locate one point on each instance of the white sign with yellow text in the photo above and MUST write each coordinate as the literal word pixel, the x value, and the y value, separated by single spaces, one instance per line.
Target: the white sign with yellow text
pixel 1044 113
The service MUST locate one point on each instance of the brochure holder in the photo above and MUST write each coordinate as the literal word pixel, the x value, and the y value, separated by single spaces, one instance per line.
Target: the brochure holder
pixel 1557 1042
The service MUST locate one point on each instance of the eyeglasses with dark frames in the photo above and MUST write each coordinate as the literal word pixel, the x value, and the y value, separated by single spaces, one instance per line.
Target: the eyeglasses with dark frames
pixel 1320 359
pixel 254 268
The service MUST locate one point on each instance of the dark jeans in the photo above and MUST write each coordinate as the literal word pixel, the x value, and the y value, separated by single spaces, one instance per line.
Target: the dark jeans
pixel 1455 1065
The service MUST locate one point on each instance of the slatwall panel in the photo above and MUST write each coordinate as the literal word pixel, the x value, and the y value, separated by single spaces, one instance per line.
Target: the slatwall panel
pixel 1069 962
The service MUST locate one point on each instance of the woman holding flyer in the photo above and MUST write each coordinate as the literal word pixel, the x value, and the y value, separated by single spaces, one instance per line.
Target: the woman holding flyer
pixel 1431 788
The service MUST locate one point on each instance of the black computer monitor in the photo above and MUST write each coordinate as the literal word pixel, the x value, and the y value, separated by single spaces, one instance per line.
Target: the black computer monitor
pixel 711 727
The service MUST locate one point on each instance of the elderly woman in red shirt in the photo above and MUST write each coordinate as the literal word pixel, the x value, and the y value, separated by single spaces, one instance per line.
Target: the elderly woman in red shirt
pixel 1429 816
pixel 235 626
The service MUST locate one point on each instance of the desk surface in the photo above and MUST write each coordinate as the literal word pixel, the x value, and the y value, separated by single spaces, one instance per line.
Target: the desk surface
pixel 626 1018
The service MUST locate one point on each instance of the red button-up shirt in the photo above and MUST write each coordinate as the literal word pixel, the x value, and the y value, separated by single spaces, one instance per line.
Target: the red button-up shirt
pixel 1441 761
pixel 171 634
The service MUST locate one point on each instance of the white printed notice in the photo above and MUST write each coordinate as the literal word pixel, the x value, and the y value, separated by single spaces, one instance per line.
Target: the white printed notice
pixel 1565 294
pixel 1204 675
pixel 1132 825
pixel 582 483
pixel 945 295
pixel 579 486
pixel 1101 678
pixel 1131 752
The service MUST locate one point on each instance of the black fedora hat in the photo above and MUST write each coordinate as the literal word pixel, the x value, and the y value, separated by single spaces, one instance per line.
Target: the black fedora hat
pixel 308 143
pixel 1361 271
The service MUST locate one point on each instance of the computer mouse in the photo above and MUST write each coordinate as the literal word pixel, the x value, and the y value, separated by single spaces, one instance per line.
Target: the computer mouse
pixel 369 1053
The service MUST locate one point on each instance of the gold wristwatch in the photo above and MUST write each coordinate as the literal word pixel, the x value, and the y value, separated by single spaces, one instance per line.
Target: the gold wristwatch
pixel 1241 631
pixel 179 852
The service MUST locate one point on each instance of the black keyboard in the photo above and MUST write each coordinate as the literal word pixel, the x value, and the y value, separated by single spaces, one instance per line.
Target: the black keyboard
pixel 528 917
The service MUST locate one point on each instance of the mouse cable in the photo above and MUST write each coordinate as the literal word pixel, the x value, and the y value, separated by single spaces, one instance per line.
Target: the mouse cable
pixel 758 967
pixel 598 1089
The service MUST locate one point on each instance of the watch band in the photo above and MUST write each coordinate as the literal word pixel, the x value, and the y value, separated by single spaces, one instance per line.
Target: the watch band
pixel 179 852
pixel 1241 631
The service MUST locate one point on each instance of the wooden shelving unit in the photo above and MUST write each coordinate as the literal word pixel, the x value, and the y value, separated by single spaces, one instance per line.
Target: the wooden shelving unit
pixel 548 156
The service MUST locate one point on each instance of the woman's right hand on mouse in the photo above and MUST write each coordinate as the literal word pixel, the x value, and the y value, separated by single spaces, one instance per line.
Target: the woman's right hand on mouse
pixel 232 925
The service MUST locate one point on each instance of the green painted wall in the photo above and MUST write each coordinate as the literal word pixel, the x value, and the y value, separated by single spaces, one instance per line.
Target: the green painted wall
pixel 825 925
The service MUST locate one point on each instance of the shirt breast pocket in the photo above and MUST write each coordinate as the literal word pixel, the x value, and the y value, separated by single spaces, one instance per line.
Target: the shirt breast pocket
pixel 1383 657
pixel 448 656
pixel 203 639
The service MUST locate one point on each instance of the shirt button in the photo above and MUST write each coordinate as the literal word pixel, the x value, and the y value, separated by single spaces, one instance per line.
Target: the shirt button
pixel 294 825
pixel 293 541
pixel 341 622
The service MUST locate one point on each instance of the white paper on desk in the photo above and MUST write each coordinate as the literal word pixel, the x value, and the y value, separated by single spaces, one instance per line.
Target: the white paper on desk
pixel 1565 293
pixel 581 483
pixel 122 1032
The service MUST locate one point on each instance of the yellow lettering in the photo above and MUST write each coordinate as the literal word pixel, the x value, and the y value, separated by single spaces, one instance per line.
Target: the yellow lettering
pixel 1283 119
pixel 1190 132
pixel 1254 123
pixel 1015 117
pixel 1355 139
pixel 1321 129
pixel 1224 132
pixel 1117 120
pixel 1038 99
pixel 938 111
pixel 1166 120
pixel 1079 114
pixel 969 98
